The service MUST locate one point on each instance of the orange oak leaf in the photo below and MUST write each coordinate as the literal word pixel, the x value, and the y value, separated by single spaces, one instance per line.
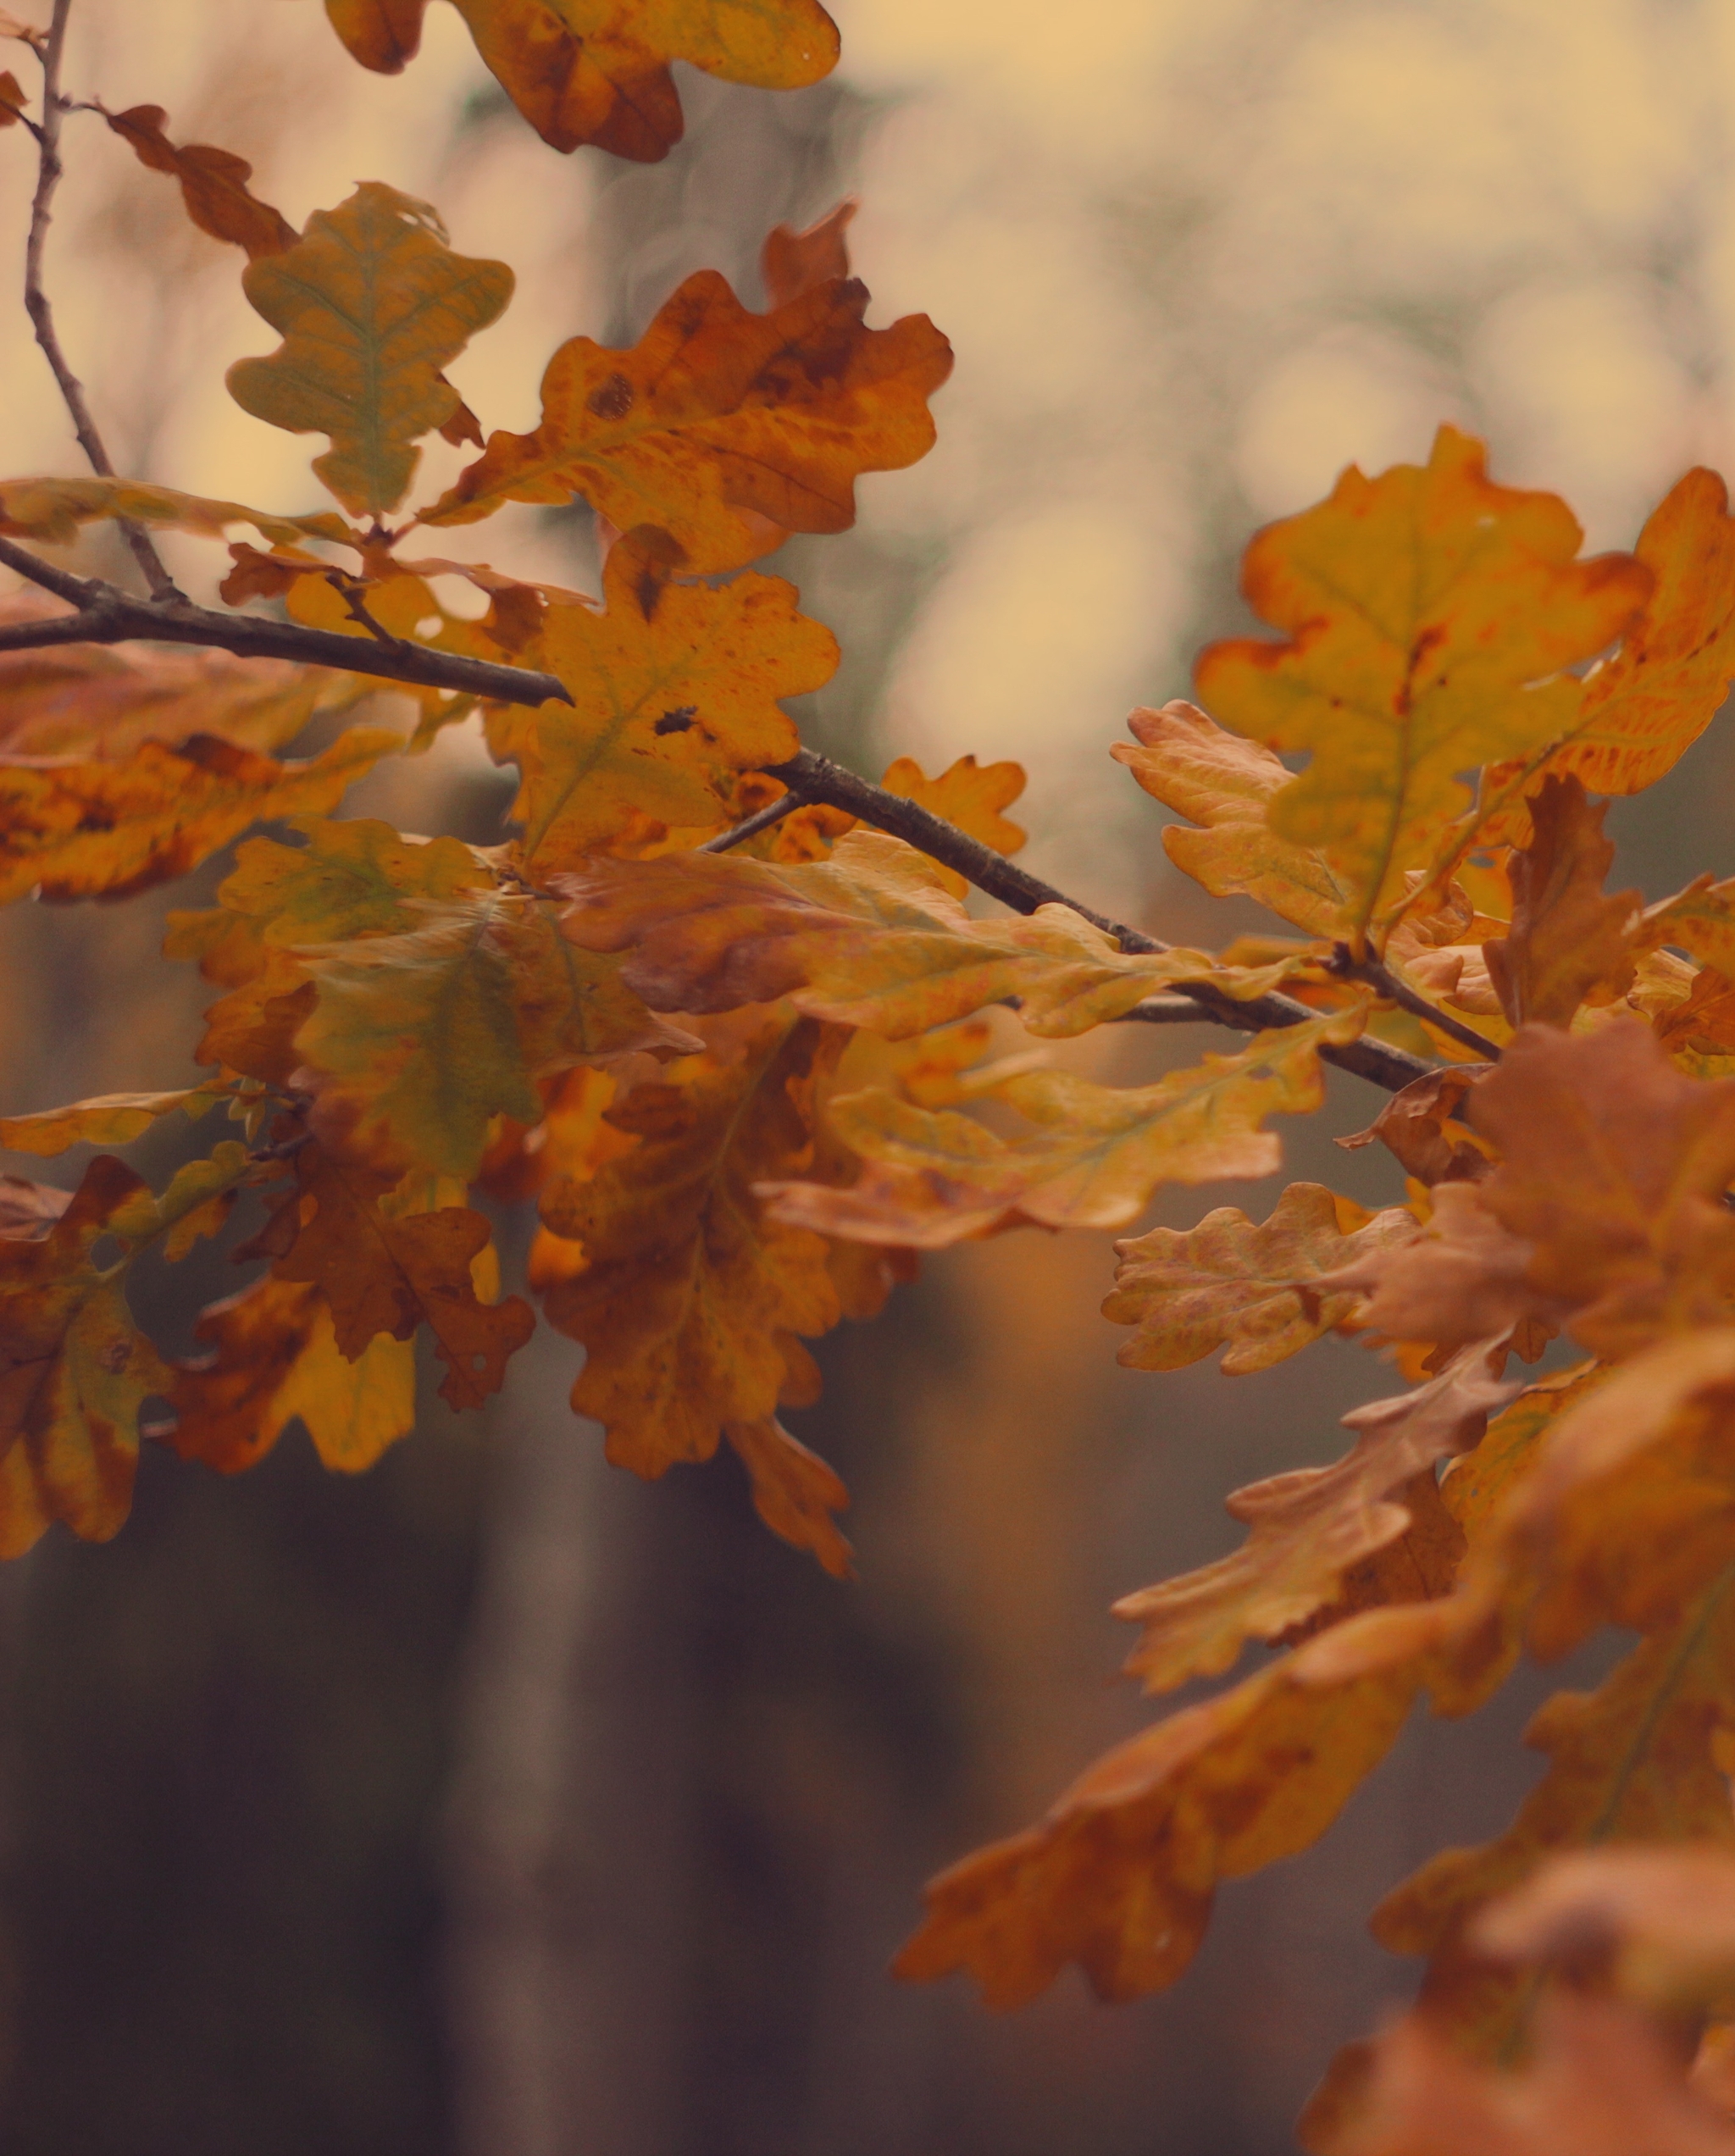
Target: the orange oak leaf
pixel 213 184
pixel 1421 1126
pixel 1569 941
pixel 871 936
pixel 1428 616
pixel 383 1271
pixel 1643 708
pixel 104 700
pixel 1605 2081
pixel 597 70
pixel 274 1358
pixel 13 100
pixel 1121 1874
pixel 1656 1924
pixel 1605 1213
pixel 934 1178
pixel 1251 1289
pixel 1191 764
pixel 690 1297
pixel 795 1492
pixel 675 691
pixel 74 1370
pixel 74 829
pixel 793 263
pixel 968 795
pixel 719 419
pixel 1306 1528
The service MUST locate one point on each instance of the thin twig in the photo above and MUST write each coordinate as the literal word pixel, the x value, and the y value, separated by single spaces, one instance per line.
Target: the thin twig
pixel 1379 977
pixel 817 779
pixel 106 616
pixel 750 826
pixel 357 608
pixel 36 298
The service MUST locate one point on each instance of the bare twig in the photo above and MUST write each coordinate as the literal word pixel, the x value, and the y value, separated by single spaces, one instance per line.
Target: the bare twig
pixel 357 608
pixel 1379 977
pixel 106 616
pixel 750 826
pixel 36 296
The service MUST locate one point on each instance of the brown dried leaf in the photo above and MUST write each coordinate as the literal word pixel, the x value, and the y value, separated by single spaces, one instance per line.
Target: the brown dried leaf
pixel 1569 942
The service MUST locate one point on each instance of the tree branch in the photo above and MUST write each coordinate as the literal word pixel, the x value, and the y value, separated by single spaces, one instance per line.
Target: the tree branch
pixel 750 826
pixel 1379 976
pixel 36 296
pixel 106 616
pixel 817 779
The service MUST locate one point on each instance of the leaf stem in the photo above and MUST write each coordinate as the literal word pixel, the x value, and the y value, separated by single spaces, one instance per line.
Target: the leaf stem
pixel 105 616
pixel 750 826
pixel 55 108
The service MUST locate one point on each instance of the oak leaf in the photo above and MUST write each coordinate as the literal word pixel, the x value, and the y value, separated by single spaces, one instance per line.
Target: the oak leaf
pixel 723 428
pixel 110 1119
pixel 872 937
pixel 1229 1282
pixel 1191 764
pixel 74 1370
pixel 597 70
pixel 1605 1213
pixel 73 829
pixel 792 263
pixel 675 690
pixel 384 1271
pixel 212 184
pixel 968 795
pixel 417 1041
pixel 1421 1128
pixel 794 1492
pixel 371 303
pixel 1306 1529
pixel 275 1357
pixel 1605 2081
pixel 52 510
pixel 1429 615
pixel 104 700
pixel 1568 940
pixel 934 1178
pixel 691 1297
pixel 1643 708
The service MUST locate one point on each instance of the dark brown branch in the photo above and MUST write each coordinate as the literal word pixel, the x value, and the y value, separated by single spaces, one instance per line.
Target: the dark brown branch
pixel 817 779
pixel 750 826
pixel 1379 976
pixel 106 616
pixel 36 297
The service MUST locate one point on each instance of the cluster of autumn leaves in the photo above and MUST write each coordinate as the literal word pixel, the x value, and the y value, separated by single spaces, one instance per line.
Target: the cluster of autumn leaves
pixel 741 1086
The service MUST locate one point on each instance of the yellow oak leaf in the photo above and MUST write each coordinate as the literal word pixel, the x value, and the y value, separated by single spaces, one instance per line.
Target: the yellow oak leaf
pixel 967 794
pixel 1252 1288
pixel 52 510
pixel 371 303
pixel 417 1041
pixel 275 1357
pixel 104 700
pixel 871 936
pixel 355 877
pixel 936 1177
pixel 690 1296
pixel 597 70
pixel 1429 616
pixel 88 830
pixel 110 1119
pixel 675 690
pixel 723 427
pixel 1191 764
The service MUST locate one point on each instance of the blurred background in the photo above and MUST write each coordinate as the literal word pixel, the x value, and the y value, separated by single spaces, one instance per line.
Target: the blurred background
pixel 495 1804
